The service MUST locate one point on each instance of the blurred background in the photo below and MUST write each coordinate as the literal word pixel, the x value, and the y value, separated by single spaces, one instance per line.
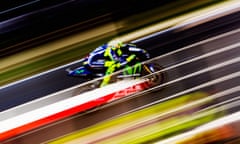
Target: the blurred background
pixel 195 42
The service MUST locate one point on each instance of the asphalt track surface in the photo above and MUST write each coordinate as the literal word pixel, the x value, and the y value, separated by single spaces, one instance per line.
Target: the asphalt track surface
pixel 161 43
pixel 221 59
pixel 203 62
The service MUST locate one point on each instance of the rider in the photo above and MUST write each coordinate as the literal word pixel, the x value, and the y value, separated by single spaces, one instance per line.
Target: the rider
pixel 113 56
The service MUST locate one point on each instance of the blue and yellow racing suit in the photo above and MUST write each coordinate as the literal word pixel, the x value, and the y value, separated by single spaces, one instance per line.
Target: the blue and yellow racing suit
pixel 111 59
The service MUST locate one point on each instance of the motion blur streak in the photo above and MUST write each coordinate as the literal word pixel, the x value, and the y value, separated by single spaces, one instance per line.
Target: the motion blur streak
pixel 20 6
pixel 215 131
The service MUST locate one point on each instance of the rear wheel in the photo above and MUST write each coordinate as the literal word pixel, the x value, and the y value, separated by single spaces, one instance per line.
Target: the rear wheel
pixel 158 77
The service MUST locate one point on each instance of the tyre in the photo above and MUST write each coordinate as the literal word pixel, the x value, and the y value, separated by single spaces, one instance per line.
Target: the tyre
pixel 158 77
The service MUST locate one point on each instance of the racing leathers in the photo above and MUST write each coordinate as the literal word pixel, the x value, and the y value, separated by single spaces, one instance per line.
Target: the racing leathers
pixel 111 58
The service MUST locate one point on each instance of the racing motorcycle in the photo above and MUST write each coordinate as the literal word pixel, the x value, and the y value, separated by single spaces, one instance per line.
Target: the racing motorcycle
pixel 135 69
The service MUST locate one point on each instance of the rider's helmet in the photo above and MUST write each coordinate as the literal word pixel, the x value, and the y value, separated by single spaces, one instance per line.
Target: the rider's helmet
pixel 115 44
